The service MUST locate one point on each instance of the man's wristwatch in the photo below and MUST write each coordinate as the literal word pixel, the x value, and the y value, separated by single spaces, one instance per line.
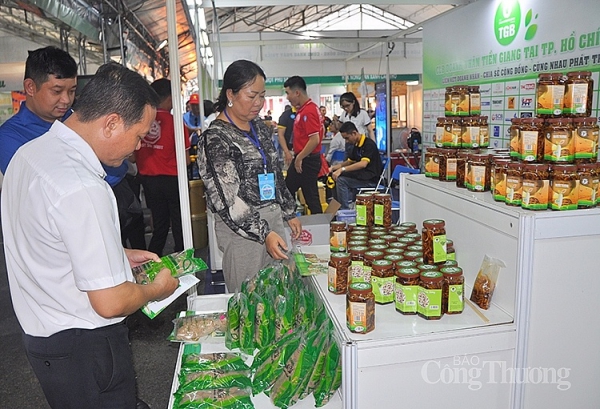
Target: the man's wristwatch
pixel 343 168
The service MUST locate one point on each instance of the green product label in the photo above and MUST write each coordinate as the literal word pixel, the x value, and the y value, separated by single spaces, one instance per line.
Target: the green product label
pixel 451 256
pixel 499 198
pixel 456 302
pixel 361 215
pixel 556 206
pixel 439 248
pixel 533 206
pixel 429 302
pixel 383 289
pixel 406 297
pixel 359 273
pixel 378 214
pixel 357 316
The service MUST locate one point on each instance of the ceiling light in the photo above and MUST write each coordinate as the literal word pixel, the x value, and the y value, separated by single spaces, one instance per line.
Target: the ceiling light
pixel 412 82
pixel 162 45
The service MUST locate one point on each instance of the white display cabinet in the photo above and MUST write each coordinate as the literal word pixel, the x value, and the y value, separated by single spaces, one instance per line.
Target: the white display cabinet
pixel 550 286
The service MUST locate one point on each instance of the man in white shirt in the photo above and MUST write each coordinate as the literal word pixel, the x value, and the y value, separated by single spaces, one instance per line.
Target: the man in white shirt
pixel 69 275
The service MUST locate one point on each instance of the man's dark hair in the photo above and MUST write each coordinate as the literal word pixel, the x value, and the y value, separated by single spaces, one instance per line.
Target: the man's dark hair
pixel 239 74
pixel 209 107
pixel 43 62
pixel 162 87
pixel 116 89
pixel 348 127
pixel 295 82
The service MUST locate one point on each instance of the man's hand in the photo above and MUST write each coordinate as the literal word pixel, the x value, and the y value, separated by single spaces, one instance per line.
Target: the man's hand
pixel 296 227
pixel 276 246
pixel 166 283
pixel 137 257
pixel 298 164
pixel 287 158
pixel 335 175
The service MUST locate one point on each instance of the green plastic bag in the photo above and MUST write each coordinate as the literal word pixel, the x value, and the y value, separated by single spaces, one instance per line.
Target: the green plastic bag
pixel 179 264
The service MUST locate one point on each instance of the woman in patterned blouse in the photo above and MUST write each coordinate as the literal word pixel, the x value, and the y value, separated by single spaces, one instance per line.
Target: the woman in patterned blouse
pixel 244 184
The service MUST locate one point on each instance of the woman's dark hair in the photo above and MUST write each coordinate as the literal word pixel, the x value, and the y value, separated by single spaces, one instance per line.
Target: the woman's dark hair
pixel 115 89
pixel 351 98
pixel 43 62
pixel 239 74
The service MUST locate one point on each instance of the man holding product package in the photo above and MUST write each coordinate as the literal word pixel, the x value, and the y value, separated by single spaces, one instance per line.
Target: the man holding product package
pixel 70 278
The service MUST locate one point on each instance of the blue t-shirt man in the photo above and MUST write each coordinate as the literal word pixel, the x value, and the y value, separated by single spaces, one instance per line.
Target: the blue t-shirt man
pixel 25 126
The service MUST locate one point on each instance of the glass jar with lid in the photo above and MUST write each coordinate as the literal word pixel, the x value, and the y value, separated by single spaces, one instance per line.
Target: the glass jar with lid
pixel 470 132
pixel 431 163
pixel 564 187
pixel 479 172
pixel 411 227
pixel 360 308
pixel 364 209
pixel 450 251
pixel 406 290
pixel 455 138
pixel 429 298
pixel 453 290
pixel 448 103
pixel 514 184
pixel 579 89
pixel 337 277
pixel 462 109
pixel 447 165
pixel 535 186
pixel 531 140
pixel 382 281
pixel 382 209
pixel 434 241
pixel 585 135
pixel 337 236
pixel 484 132
pixel 395 258
pixel 559 145
pixel 587 186
pixel 370 257
pixel 498 184
pixel 474 100
pixel 550 95
pixel 439 131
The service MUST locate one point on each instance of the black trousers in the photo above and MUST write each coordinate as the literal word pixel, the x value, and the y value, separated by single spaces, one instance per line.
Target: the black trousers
pixel 80 368
pixel 162 198
pixel 307 180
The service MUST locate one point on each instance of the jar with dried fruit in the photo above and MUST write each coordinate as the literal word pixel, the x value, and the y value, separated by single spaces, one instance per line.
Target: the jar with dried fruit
pixel 579 89
pixel 479 171
pixel 382 209
pixel 357 264
pixel 535 186
pixel 474 100
pixel 470 132
pixel 364 209
pixel 382 281
pixel 559 145
pixel 360 308
pixel 461 167
pixel 585 135
pixel 514 132
pixel 429 298
pixel 370 257
pixel 451 252
pixel 337 278
pixel 514 184
pixel 453 291
pixel 447 165
pixel 531 140
pixel 434 241
pixel 406 290
pixel 564 187
pixel 550 95
pixel 337 236
pixel 498 185
pixel 588 185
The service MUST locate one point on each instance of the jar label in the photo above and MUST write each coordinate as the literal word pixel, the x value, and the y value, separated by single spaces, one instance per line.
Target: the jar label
pixel 586 143
pixel 378 214
pixel 432 167
pixel 451 169
pixel 406 297
pixel 576 98
pixel 535 194
pixel 470 137
pixel 484 137
pixel 515 151
pixel 476 178
pixel 359 273
pixel 513 190
pixel 500 187
pixel 558 147
pixel 475 104
pixel 564 195
pixel 439 136
pixel 439 248
pixel 429 302
pixel 456 302
pixel 331 279
pixel 529 145
pixel 550 99
pixel 337 242
pixel 451 256
pixel 357 316
pixel 361 215
pixel 383 289
pixel 587 192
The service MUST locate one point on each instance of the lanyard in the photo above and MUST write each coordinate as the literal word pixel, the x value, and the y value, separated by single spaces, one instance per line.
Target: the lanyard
pixel 253 138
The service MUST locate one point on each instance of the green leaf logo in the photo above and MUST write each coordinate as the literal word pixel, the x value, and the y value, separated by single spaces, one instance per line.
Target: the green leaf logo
pixel 531 28
pixel 507 21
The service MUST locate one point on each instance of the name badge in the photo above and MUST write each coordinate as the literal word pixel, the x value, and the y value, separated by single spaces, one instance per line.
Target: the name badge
pixel 266 186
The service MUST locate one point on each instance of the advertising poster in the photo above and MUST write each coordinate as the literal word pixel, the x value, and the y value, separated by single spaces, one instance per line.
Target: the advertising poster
pixel 503 49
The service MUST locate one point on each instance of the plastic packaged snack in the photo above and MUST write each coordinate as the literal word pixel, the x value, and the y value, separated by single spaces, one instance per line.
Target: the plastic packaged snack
pixel 232 333
pixel 230 398
pixel 247 317
pixel 196 327
pixel 178 263
pixel 327 386
pixel 485 282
